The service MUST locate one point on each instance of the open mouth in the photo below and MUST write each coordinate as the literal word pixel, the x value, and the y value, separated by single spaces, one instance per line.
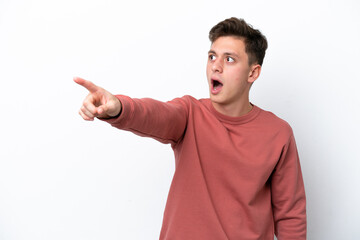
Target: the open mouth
pixel 216 84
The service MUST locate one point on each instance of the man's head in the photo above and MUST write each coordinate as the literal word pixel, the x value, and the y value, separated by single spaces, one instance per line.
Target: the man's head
pixel 255 42
pixel 234 63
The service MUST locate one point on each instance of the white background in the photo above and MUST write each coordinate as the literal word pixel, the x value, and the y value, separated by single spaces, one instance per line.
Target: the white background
pixel 64 178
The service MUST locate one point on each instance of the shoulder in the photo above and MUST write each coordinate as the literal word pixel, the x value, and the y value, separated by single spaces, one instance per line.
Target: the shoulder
pixel 274 123
pixel 191 101
pixel 197 108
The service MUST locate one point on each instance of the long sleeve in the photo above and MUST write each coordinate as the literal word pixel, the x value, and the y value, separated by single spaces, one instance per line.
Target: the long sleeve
pixel 288 195
pixel 163 121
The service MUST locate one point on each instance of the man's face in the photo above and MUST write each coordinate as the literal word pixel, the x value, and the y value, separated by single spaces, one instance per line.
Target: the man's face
pixel 228 71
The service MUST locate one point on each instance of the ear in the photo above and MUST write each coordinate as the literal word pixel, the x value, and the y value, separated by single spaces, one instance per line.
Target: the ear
pixel 254 73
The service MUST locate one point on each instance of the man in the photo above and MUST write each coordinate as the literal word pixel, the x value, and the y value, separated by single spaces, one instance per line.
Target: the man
pixel 237 173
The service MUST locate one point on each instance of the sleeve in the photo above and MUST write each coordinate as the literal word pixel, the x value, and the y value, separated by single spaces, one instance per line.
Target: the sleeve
pixel 288 195
pixel 163 121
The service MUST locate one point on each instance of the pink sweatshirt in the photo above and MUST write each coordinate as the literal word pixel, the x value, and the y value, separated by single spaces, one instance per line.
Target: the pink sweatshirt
pixel 235 177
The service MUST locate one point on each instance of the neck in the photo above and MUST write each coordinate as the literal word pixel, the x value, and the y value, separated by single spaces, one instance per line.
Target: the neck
pixel 233 110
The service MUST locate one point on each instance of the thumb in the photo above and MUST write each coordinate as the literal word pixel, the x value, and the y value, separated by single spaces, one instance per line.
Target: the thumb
pixel 109 109
pixel 102 109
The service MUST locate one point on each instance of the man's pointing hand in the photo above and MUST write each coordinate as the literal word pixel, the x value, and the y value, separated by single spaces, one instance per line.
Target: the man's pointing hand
pixel 98 103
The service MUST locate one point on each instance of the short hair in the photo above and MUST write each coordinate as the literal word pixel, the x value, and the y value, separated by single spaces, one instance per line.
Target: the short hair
pixel 255 41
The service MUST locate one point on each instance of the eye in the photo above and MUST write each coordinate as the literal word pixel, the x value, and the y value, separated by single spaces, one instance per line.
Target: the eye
pixel 212 57
pixel 230 59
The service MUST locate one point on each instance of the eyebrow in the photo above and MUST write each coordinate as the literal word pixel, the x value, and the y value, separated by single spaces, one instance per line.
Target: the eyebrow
pixel 225 53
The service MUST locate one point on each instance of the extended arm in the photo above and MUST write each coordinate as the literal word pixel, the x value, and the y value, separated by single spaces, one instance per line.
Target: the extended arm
pixel 163 121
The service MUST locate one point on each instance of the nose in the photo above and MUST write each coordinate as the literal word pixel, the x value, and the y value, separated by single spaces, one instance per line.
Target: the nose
pixel 217 66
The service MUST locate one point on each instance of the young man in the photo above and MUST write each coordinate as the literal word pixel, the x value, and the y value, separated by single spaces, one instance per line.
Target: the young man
pixel 237 173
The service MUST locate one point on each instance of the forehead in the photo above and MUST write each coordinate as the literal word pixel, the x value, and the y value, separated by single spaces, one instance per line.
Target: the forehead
pixel 229 44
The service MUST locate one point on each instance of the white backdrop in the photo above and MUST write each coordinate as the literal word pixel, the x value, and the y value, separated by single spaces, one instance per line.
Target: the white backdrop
pixel 64 178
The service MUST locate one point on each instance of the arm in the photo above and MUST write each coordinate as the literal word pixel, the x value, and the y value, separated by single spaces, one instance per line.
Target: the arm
pixel 288 195
pixel 165 122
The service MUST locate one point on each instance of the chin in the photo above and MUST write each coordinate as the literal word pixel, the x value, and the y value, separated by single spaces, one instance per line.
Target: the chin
pixel 216 99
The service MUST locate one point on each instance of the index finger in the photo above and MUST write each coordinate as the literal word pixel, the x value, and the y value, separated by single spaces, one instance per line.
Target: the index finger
pixel 86 84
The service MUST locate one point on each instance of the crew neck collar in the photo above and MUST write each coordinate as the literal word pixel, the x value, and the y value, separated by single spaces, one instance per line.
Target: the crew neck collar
pixel 254 112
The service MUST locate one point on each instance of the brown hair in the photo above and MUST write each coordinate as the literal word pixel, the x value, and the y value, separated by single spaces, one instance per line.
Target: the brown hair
pixel 255 41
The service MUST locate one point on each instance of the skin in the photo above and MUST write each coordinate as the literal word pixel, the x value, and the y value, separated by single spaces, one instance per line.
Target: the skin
pixel 227 63
pixel 98 103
